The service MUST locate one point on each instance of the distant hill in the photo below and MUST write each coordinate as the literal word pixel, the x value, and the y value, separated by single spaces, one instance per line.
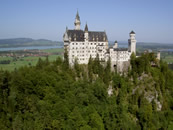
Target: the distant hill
pixel 142 46
pixel 22 42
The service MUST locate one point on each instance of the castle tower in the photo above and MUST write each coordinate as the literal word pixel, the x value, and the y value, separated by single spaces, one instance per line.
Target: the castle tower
pixel 158 55
pixel 115 44
pixel 132 42
pixel 86 33
pixel 77 22
pixel 66 38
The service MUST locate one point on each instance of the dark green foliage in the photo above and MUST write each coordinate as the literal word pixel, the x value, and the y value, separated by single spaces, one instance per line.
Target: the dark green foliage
pixel 142 63
pixel 54 95
pixel 66 61
pixel 107 73
pixel 5 62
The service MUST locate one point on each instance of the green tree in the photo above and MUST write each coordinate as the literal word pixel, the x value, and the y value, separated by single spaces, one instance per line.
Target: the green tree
pixel 90 68
pixel 107 72
pixel 96 121
pixel 66 60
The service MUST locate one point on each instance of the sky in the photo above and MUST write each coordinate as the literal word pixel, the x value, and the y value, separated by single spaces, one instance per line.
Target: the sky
pixel 152 20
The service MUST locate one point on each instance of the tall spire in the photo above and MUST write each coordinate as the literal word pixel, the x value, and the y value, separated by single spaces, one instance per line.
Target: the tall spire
pixel 86 33
pixel 77 16
pixel 77 21
pixel 86 28
pixel 66 28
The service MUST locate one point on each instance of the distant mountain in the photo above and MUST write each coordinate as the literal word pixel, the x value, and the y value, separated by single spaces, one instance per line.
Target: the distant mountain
pixel 22 42
pixel 141 43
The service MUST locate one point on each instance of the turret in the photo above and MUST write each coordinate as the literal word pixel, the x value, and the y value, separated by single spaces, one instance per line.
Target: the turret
pixel 66 39
pixel 158 55
pixel 77 22
pixel 86 28
pixel 115 44
pixel 86 32
pixel 132 42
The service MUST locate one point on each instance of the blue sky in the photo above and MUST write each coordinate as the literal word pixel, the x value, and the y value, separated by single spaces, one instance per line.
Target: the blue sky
pixel 152 20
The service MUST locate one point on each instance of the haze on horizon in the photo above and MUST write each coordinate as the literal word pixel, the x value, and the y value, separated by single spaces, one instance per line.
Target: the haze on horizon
pixel 151 20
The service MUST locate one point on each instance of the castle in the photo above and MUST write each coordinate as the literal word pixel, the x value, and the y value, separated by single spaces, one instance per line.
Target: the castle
pixel 81 44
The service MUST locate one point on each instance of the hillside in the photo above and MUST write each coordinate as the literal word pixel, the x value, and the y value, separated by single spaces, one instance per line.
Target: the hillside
pixel 23 42
pixel 52 95
pixel 142 46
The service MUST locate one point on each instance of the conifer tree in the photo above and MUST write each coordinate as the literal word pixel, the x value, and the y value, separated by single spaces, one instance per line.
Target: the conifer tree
pixel 39 63
pixel 77 68
pixel 90 68
pixel 66 60
pixel 107 72
pixel 132 62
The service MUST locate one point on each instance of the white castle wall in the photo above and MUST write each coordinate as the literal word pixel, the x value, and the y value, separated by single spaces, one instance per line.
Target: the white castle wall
pixel 83 50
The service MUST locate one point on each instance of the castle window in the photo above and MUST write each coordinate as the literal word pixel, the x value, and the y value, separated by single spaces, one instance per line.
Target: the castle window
pixel 76 43
pixel 73 43
pixel 95 43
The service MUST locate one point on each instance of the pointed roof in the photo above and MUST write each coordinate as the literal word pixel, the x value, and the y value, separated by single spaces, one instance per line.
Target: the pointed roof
pixel 115 41
pixel 86 28
pixel 77 16
pixel 132 32
pixel 66 28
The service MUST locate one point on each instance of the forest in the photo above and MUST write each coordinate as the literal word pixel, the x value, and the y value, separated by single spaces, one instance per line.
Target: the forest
pixel 53 95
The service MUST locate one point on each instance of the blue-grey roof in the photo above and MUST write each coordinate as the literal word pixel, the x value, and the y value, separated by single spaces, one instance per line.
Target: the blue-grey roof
pixel 86 28
pixel 93 35
pixel 132 32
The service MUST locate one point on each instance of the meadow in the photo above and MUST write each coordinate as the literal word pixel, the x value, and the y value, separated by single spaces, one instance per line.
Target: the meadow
pixel 54 53
pixel 30 60
pixel 167 57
